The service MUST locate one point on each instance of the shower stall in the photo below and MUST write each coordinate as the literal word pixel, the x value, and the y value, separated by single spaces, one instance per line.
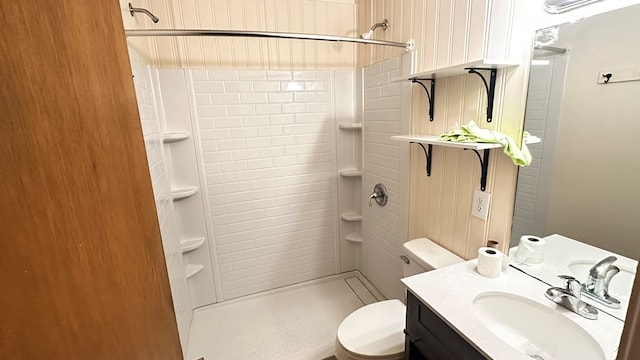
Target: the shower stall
pixel 261 175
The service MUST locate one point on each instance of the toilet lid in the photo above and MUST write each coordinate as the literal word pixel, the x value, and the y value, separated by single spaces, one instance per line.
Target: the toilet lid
pixel 375 329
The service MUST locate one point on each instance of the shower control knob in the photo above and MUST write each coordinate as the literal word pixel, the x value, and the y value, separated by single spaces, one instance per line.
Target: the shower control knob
pixel 379 195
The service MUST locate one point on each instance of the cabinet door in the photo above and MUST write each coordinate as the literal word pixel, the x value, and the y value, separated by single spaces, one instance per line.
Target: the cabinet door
pixel 82 268
pixel 476 30
pixel 499 30
pixel 426 14
pixel 444 19
pixel 460 31
pixel 429 335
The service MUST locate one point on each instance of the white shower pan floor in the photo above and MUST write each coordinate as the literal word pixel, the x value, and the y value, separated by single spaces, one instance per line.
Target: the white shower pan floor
pixel 297 322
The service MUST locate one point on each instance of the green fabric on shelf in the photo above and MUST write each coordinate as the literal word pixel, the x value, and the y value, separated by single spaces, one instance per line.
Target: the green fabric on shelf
pixel 472 133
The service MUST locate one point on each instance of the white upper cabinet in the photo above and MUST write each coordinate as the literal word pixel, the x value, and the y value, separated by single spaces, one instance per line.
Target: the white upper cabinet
pixel 460 33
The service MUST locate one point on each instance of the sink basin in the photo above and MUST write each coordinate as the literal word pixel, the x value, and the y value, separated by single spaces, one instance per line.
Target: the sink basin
pixel 619 287
pixel 537 331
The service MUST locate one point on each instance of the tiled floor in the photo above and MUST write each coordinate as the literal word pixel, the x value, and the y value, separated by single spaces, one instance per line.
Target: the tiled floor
pixel 296 323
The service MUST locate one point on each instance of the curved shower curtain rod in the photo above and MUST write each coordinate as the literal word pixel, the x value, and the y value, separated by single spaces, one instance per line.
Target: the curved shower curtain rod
pixel 266 34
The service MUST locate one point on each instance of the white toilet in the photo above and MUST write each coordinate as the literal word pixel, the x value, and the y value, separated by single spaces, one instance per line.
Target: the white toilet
pixel 375 331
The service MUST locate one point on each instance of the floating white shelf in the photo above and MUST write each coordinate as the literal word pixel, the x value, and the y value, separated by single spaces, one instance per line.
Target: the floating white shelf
pixel 175 136
pixel 191 244
pixel 435 140
pixel 183 193
pixel 354 237
pixel 354 126
pixel 460 69
pixel 192 269
pixel 351 217
pixel 350 172
pixel 533 140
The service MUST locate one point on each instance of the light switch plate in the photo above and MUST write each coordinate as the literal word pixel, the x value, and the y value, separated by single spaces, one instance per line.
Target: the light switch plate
pixel 480 204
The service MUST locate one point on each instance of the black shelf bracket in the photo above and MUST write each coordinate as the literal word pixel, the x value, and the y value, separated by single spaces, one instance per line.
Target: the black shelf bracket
pixel 484 166
pixel 430 95
pixel 427 155
pixel 490 87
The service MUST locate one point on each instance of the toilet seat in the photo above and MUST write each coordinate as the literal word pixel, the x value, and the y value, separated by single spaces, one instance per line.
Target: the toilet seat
pixel 374 331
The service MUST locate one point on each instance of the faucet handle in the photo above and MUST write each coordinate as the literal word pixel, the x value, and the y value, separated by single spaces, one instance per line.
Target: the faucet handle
pixel 379 195
pixel 613 270
pixel 372 197
pixel 572 285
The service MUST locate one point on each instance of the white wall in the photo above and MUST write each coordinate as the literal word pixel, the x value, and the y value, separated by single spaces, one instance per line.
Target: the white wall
pixel 152 131
pixel 384 227
pixel 594 195
pixel 268 139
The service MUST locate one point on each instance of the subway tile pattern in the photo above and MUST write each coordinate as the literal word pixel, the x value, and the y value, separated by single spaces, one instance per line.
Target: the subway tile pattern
pixel 267 139
pixel 381 111
pixel 152 131
pixel 536 114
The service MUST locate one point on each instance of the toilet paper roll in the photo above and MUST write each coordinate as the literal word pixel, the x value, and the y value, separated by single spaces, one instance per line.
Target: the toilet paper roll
pixel 494 244
pixel 530 250
pixel 491 262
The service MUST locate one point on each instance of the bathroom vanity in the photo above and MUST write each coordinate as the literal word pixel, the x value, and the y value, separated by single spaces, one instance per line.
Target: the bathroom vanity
pixel 429 337
pixel 455 313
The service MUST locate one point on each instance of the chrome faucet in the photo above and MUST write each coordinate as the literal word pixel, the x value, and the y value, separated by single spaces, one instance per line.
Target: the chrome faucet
pixel 569 297
pixel 597 285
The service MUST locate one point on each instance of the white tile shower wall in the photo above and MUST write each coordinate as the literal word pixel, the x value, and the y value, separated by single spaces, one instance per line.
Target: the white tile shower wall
pixel 151 129
pixel 382 112
pixel 268 144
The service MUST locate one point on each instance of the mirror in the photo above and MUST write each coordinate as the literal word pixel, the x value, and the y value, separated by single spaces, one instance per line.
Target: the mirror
pixel 584 102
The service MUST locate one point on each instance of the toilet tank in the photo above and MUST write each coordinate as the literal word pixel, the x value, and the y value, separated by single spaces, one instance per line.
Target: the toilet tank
pixel 425 255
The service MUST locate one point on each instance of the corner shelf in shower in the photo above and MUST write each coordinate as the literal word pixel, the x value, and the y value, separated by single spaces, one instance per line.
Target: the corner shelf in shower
pixel 350 172
pixel 191 269
pixel 354 237
pixel 183 193
pixel 353 126
pixel 191 244
pixel 171 137
pixel 351 217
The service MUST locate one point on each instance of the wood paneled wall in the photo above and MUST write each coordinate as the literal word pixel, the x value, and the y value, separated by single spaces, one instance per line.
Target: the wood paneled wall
pixel 330 17
pixel 440 205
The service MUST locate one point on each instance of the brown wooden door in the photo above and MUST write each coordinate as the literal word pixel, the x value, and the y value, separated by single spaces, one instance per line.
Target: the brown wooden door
pixel 82 271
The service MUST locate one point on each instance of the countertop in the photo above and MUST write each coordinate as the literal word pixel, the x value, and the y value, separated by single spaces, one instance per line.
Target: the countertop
pixel 450 293
pixel 560 252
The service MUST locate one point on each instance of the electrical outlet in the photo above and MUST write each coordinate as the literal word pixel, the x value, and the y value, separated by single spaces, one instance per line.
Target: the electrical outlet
pixel 480 205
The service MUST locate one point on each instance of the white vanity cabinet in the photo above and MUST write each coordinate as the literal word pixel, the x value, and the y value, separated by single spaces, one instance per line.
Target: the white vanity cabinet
pixel 462 33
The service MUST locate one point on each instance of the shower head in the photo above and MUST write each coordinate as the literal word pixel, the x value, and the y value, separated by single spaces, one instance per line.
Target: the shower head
pixel 133 10
pixel 369 34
